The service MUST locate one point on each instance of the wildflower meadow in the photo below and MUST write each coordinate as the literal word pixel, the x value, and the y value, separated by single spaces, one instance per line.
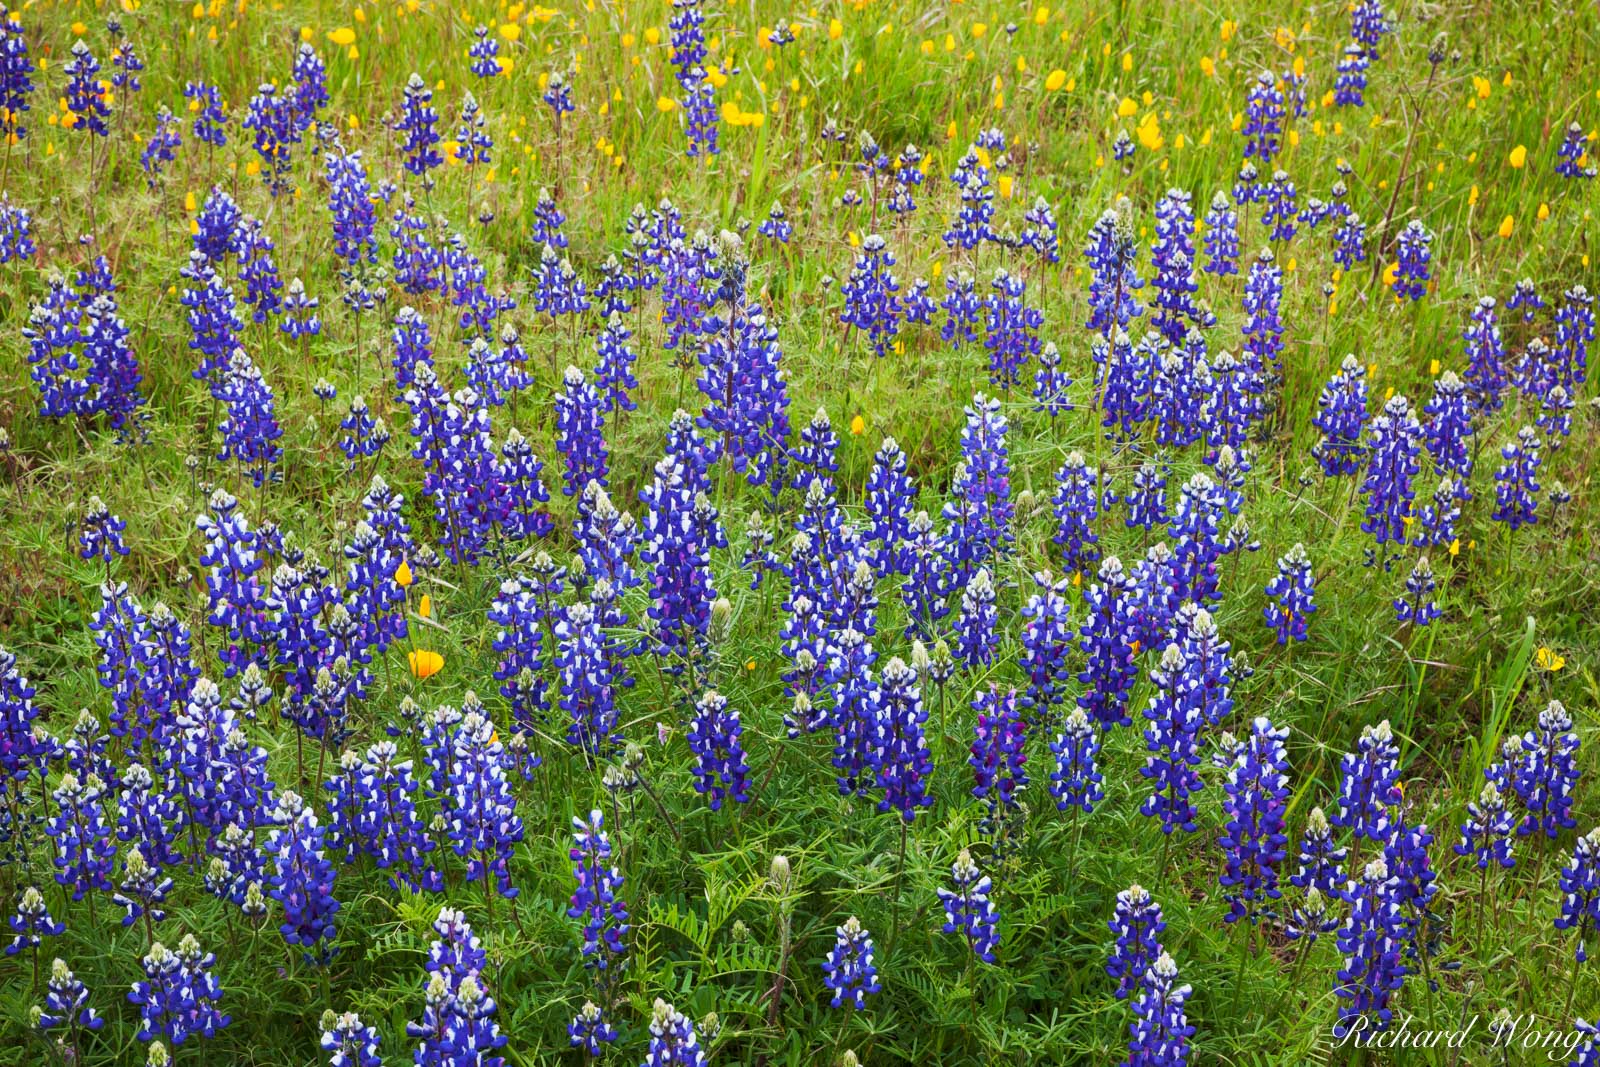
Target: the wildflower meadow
pixel 724 533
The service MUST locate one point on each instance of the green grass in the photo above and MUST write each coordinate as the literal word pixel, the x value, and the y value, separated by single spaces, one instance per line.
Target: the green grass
pixel 707 919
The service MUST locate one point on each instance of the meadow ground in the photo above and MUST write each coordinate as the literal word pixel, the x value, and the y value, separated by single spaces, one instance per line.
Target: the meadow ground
pixel 1466 111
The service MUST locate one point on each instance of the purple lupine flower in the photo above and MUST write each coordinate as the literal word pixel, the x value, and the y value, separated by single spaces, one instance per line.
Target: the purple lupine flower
pixel 1486 831
pixel 272 117
pixel 67 1002
pixel 1039 233
pixel 482 809
pixel 16 223
pixel 1046 643
pixel 975 626
pixel 590 1031
pixel 580 432
pixel 1111 252
pixel 178 997
pixel 1076 780
pixel 1580 886
pixel 1263 306
pixel 973 224
pixel 1280 213
pixel 1572 155
pixel 927 586
pixel 1221 237
pixel 1137 925
pixel 142 891
pixel 1264 118
pixel 588 692
pixel 473 143
pixel 148 816
pixel 1010 329
pixel 1417 607
pixel 1369 784
pixel 31 924
pixel 83 848
pixel 1195 530
pixel 1575 332
pixel 1516 481
pixel 1486 374
pixel 961 309
pixel 1368 25
pixel 310 92
pixel 1350 84
pixel 1125 378
pixel 594 899
pixel 457 1023
pixel 85 99
pixel 161 148
pixel 980 508
pixel 1077 504
pixel 302 877
pixel 352 1042
pixel 1371 941
pixel 901 762
pixel 1293 595
pixel 100 535
pixel 848 969
pixel 680 531
pixel 484 52
pixel 1173 741
pixel 387 824
pixel 1107 638
pixel 1413 251
pixel 350 203
pixel 1393 443
pixel 891 497
pixel 998 756
pixel 673 1041
pixel 1147 503
pixel 856 699
pixel 1321 864
pixel 249 430
pixel 16 81
pixel 1341 416
pixel 1051 382
pixel 1257 793
pixel 969 910
pixel 1546 773
pixel 715 736
pixel 871 300
pixel 1159 1035
pixel 416 125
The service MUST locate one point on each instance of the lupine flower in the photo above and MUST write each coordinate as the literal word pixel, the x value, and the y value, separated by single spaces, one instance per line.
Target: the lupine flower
pixel 998 755
pixel 178 998
pixel 83 848
pixel 590 1031
pixel 1046 642
pixel 161 148
pixel 1349 87
pixel 1580 884
pixel 352 1042
pixel 1572 155
pixel 416 125
pixel 1172 739
pixel 1516 481
pixel 980 508
pixel 673 1040
pixel 86 101
pixel 1107 638
pixel 901 762
pixel 1417 607
pixel 1111 252
pixel 595 900
pixel 1293 595
pixel 1076 780
pixel 715 738
pixel 484 52
pixel 67 1002
pixel 250 428
pixel 1341 416
pixel 1575 332
pixel 1077 504
pixel 1486 831
pixel 1196 532
pixel 1221 237
pixel 848 969
pixel 962 307
pixel 1137 925
pixel 16 81
pixel 1369 784
pixel 1263 300
pixel 968 909
pixel 1161 1031
pixel 1413 252
pixel 457 1023
pixel 1393 443
pixel 1010 329
pixel 1368 25
pixel 871 300
pixel 272 117
pixel 975 627
pixel 588 694
pixel 1546 773
pixel 1321 865
pixel 302 878
pixel 1264 118
pixel 32 924
pixel 1257 793
pixel 1371 941
pixel 481 807
pixel 1280 213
